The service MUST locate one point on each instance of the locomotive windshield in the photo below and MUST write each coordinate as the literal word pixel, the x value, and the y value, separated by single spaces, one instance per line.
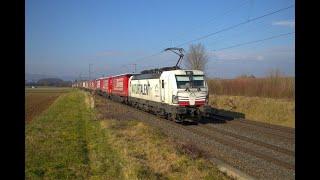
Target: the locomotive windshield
pixel 183 81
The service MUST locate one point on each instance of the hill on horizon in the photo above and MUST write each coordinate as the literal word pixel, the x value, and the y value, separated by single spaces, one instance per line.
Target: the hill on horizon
pixel 30 77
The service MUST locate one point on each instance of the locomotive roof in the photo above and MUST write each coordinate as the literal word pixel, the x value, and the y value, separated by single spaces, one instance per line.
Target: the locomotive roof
pixel 157 75
pixel 146 76
pixel 125 74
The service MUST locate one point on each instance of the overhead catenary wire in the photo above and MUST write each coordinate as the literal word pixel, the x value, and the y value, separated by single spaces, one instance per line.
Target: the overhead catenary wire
pixel 240 33
pixel 225 13
pixel 217 32
pixel 220 31
pixel 222 15
pixel 235 26
pixel 255 41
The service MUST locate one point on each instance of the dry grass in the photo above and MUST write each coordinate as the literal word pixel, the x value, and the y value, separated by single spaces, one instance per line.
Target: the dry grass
pixel 149 154
pixel 274 86
pixel 268 110
pixel 146 153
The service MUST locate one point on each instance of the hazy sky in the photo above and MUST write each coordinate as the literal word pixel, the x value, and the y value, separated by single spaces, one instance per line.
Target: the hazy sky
pixel 64 37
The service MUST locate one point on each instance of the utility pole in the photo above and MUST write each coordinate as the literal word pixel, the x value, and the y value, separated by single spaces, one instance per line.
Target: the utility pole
pixel 135 67
pixel 90 71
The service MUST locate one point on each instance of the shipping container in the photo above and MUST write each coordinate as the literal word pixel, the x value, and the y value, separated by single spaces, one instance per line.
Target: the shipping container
pixel 105 84
pixel 119 85
pixel 99 84
pixel 110 85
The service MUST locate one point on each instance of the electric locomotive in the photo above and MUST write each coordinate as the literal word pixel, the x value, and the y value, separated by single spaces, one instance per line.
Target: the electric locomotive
pixel 174 93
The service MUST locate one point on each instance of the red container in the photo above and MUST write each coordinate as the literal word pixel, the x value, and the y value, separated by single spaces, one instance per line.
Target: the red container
pixel 109 85
pixel 119 85
pixel 104 84
pixel 101 84
pixel 89 84
pixel 96 84
pixel 92 84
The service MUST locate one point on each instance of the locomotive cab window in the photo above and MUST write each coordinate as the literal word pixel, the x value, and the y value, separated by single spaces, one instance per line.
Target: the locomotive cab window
pixel 162 84
pixel 196 81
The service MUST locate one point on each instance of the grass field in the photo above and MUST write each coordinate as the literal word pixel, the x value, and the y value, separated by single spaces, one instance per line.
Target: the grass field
pixel 39 99
pixel 270 99
pixel 274 86
pixel 268 110
pixel 67 141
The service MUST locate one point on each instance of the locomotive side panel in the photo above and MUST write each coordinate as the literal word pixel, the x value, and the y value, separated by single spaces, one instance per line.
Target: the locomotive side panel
pixel 147 89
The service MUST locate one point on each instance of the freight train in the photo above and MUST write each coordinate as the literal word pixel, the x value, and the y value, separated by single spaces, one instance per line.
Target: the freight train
pixel 173 93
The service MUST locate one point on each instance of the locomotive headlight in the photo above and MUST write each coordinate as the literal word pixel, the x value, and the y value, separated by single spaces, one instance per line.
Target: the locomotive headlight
pixel 174 99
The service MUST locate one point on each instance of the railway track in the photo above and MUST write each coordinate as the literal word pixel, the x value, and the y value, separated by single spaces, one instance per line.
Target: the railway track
pixel 253 141
pixel 243 148
pixel 272 130
pixel 256 157
pixel 267 126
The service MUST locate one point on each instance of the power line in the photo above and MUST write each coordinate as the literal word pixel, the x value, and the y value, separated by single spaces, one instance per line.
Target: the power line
pixel 255 41
pixel 236 25
pixel 223 14
pixel 220 31
pixel 239 33
pixel 90 70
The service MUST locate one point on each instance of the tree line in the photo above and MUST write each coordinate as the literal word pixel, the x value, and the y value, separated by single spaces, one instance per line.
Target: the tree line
pixel 50 82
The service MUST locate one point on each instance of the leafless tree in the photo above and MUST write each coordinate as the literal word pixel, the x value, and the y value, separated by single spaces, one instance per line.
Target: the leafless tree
pixel 196 57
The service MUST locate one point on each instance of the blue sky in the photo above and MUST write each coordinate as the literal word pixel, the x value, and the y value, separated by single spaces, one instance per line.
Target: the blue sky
pixel 64 37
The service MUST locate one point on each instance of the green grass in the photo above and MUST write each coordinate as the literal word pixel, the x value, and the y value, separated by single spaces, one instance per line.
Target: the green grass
pixel 67 141
pixel 63 143
pixel 268 110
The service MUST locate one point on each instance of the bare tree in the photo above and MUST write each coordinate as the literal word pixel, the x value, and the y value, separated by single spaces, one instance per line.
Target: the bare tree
pixel 197 57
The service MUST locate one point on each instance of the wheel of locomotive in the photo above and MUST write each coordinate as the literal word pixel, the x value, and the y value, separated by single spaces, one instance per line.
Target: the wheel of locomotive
pixel 176 118
pixel 198 116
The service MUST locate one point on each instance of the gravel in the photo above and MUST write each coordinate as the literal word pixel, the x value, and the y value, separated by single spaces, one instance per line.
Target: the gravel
pixel 257 134
pixel 252 159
